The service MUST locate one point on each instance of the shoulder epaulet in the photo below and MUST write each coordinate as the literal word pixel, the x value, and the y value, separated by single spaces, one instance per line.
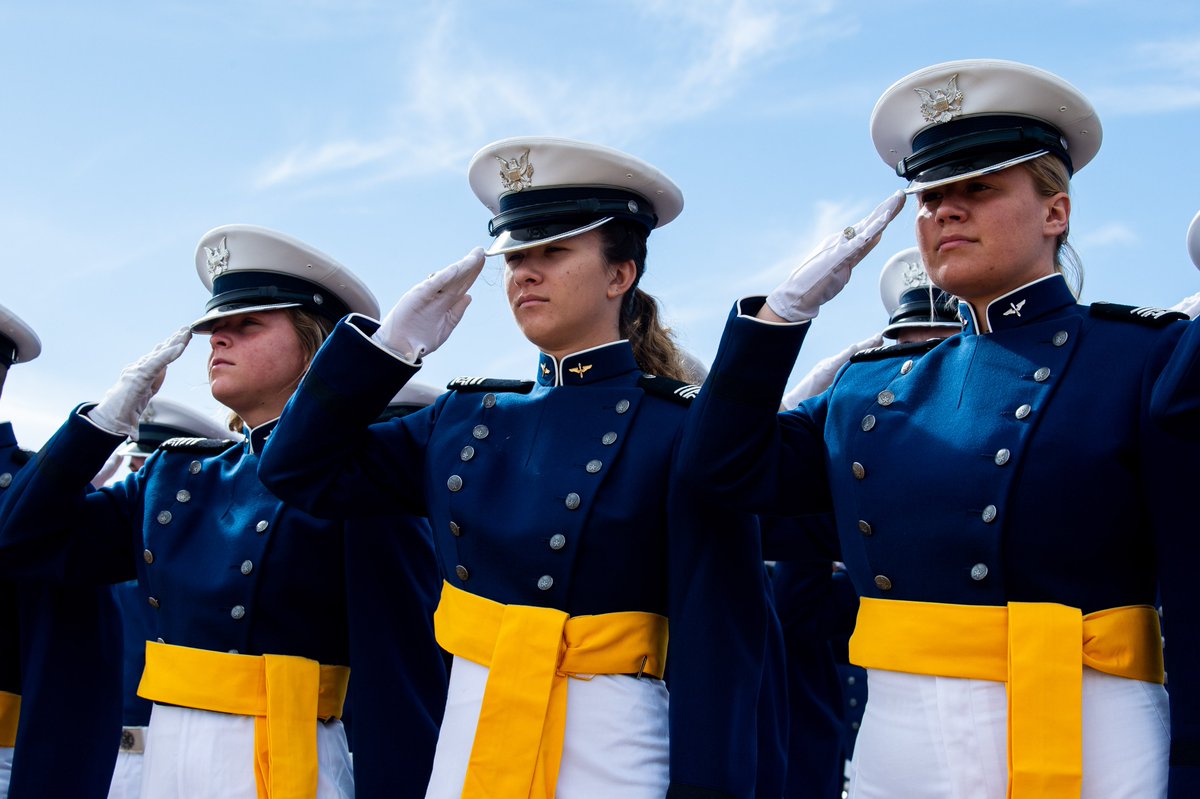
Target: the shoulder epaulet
pixel 209 446
pixel 1150 317
pixel 894 351
pixel 22 456
pixel 665 387
pixel 472 384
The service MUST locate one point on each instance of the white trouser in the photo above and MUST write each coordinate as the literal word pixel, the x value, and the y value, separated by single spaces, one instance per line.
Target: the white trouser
pixel 926 737
pixel 197 754
pixel 127 776
pixel 615 742
pixel 6 753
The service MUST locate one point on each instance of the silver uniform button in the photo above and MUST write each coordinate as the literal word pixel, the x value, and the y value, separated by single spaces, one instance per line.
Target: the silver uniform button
pixel 1060 338
pixel 868 423
pixel 489 400
pixel 454 483
pixel 1042 375
pixel 481 431
pixel 864 527
pixel 237 612
pixel 234 652
pixel 608 439
pixel 455 530
pixel 1023 411
pixel 558 541
pixel 593 466
pixel 147 556
pixel 247 566
pixel 572 501
pixel 906 367
pixel 989 514
pixel 164 517
pixel 462 572
pixel 883 583
pixel 885 398
pixel 467 453
pixel 1002 456
pixel 857 469
pixel 183 495
pixel 153 601
pixel 853 702
pixel 979 571
pixel 622 406
pixel 161 641
pixel 262 526
pixel 194 467
pixel 5 480
pixel 545 582
pixel 851 680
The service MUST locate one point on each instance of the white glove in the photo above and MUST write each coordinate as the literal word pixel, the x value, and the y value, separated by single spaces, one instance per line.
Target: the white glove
pixel 124 403
pixel 107 470
pixel 826 271
pixel 1188 305
pixel 820 377
pixel 428 312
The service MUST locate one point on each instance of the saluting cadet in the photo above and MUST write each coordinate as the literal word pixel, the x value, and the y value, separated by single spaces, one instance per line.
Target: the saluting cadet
pixel 249 667
pixel 60 660
pixel 564 543
pixel 1008 499
pixel 162 421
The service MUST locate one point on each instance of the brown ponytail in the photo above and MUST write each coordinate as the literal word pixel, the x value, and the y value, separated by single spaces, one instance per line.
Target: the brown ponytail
pixel 653 343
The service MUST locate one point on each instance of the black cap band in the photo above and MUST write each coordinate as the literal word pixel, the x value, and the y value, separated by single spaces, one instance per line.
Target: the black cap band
pixel 994 138
pixel 915 307
pixel 570 204
pixel 245 289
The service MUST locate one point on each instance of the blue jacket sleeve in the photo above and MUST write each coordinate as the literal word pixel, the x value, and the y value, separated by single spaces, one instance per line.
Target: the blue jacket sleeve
pixel 325 457
pixel 736 444
pixel 53 526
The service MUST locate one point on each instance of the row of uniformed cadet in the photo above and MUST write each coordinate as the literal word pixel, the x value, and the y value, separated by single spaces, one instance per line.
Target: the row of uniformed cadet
pixel 574 514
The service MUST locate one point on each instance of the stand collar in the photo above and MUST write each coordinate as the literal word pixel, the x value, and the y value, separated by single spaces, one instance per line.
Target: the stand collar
pixel 587 367
pixel 1021 306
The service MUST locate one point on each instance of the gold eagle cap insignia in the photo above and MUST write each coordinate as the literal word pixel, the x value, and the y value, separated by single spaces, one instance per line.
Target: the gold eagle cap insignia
pixel 580 369
pixel 516 173
pixel 941 105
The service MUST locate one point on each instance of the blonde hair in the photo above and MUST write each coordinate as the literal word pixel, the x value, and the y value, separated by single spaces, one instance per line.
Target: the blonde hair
pixel 1050 177
pixel 311 330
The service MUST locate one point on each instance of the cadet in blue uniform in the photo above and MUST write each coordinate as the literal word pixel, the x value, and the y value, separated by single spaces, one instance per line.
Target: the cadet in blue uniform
pixel 249 669
pixel 1007 500
pixel 564 543
pixel 162 421
pixel 60 660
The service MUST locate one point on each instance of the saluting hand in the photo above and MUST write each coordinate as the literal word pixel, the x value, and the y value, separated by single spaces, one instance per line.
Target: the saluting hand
pixel 428 312
pixel 826 270
pixel 124 403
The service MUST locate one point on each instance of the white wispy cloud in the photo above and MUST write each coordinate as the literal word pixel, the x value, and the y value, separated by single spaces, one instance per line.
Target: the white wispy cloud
pixel 1168 79
pixel 455 93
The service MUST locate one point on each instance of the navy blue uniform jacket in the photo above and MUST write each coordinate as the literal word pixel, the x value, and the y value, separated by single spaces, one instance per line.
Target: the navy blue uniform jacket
pixel 61 651
pixel 222 562
pixel 1047 461
pixel 560 495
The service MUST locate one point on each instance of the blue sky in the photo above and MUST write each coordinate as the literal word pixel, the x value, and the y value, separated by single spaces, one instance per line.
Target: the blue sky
pixel 129 129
